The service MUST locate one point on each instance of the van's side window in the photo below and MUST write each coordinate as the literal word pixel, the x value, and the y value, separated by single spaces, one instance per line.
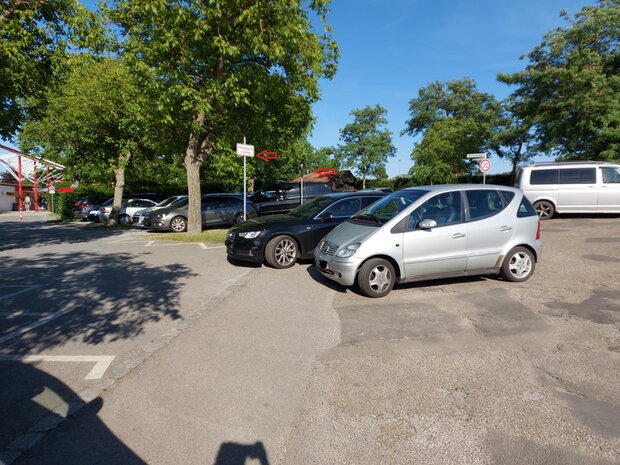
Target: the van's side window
pixel 611 175
pixel 544 176
pixel 443 208
pixel 483 203
pixel 578 176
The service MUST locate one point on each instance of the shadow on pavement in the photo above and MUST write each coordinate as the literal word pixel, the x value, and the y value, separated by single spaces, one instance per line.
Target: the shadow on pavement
pixel 86 440
pixel 16 234
pixel 232 453
pixel 93 299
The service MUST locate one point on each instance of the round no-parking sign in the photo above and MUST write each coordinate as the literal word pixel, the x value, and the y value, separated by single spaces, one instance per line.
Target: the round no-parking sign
pixel 52 190
pixel 485 165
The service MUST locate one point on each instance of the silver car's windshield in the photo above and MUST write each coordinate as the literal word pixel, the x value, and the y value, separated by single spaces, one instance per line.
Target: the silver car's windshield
pixel 168 201
pixel 388 207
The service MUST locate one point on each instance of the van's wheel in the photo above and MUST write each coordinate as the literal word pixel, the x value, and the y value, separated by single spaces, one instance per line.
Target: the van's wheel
pixel 178 224
pixel 518 265
pixel 544 209
pixel 124 219
pixel 281 252
pixel 376 277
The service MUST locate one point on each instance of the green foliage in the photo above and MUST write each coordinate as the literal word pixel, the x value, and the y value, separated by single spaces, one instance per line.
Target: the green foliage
pixel 455 119
pixel 366 145
pixel 34 38
pixel 218 71
pixel 440 156
pixel 571 86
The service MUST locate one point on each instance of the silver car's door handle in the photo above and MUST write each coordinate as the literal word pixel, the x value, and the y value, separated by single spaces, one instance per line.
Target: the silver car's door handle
pixel 505 228
pixel 457 235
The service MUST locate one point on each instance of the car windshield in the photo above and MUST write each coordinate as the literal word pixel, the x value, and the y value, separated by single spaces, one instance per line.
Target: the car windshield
pixel 311 208
pixel 388 207
pixel 168 201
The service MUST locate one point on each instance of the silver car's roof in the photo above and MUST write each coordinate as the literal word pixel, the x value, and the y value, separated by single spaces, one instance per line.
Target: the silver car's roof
pixel 450 187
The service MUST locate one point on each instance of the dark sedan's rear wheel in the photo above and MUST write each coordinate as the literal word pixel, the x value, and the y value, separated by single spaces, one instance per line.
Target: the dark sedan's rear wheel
pixel 544 209
pixel 178 224
pixel 376 277
pixel 281 252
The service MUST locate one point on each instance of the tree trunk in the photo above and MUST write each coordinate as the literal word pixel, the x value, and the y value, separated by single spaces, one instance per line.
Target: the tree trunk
pixel 119 173
pixel 364 181
pixel 194 158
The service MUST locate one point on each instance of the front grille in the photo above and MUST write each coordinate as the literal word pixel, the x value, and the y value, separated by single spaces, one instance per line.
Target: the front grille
pixel 328 248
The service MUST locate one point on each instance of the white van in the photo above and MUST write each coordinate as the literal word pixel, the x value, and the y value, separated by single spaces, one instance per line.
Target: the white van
pixel 571 187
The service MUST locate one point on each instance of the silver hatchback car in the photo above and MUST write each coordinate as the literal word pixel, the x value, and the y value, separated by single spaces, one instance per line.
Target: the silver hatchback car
pixel 434 232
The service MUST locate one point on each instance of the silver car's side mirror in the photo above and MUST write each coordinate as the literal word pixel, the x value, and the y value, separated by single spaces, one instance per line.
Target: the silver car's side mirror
pixel 427 224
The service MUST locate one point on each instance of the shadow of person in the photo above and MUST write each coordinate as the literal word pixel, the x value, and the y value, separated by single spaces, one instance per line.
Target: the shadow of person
pixel 42 421
pixel 232 453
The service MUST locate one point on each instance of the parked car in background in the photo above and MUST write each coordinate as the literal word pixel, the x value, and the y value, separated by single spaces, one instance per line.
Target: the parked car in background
pixel 285 196
pixel 281 239
pixel 128 208
pixel 84 206
pixel 571 187
pixel 431 232
pixel 217 210
pixel 138 217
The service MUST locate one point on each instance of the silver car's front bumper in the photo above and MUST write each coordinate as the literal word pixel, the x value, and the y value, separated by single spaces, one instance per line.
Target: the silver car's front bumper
pixel 341 270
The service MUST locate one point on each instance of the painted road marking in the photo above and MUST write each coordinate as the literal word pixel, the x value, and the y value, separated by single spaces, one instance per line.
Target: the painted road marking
pixel 102 362
pixel 16 314
pixel 24 288
pixel 36 324
pixel 151 243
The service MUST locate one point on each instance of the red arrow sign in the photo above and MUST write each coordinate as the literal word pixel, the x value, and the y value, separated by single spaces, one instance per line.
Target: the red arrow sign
pixel 267 157
pixel 65 189
pixel 325 171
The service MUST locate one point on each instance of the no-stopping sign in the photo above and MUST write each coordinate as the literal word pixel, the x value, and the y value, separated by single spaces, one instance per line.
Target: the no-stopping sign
pixel 485 165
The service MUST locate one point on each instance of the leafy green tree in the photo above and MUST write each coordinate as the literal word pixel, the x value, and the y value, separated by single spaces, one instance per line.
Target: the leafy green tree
pixel 95 124
pixel 440 156
pixel 572 85
pixel 455 119
pixel 34 38
pixel 367 145
pixel 223 69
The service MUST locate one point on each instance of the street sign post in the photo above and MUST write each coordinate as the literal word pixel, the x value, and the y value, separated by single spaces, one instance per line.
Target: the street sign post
pixel 52 191
pixel 244 150
pixel 485 165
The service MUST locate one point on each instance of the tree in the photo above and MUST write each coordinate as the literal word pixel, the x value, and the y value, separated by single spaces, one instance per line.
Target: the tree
pixel 95 124
pixel 220 70
pixel 367 146
pixel 572 85
pixel 34 38
pixel 440 156
pixel 455 119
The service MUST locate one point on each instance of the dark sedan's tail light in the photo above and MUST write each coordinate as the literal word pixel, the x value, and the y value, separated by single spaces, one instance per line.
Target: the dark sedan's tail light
pixel 538 231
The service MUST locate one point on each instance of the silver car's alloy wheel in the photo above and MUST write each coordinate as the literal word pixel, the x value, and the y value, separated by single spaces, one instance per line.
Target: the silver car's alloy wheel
pixel 124 219
pixel 520 265
pixel 380 278
pixel 286 252
pixel 178 224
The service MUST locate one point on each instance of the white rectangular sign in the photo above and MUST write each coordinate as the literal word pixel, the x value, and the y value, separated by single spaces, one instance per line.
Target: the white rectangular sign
pixel 245 150
pixel 477 156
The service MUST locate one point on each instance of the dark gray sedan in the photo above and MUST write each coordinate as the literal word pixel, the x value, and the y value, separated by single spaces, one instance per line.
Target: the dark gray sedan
pixel 217 210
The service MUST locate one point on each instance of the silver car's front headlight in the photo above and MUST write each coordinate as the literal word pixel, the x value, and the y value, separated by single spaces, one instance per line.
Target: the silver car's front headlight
pixel 349 250
pixel 249 234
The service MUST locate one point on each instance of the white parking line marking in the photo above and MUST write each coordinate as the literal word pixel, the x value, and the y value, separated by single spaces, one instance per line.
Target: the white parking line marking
pixel 203 245
pixel 36 324
pixel 16 314
pixel 24 288
pixel 102 362
pixel 149 244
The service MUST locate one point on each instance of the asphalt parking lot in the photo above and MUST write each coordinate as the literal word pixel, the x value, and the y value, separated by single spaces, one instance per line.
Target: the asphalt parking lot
pixel 187 358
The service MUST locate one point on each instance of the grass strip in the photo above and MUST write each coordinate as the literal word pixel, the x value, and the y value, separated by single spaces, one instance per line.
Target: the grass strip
pixel 210 235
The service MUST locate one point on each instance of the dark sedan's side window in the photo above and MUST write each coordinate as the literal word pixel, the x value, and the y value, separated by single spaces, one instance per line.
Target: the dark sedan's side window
pixel 369 200
pixel 345 208
pixel 444 208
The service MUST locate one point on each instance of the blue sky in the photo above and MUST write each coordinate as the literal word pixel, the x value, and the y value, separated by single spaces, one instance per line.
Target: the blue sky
pixel 391 48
